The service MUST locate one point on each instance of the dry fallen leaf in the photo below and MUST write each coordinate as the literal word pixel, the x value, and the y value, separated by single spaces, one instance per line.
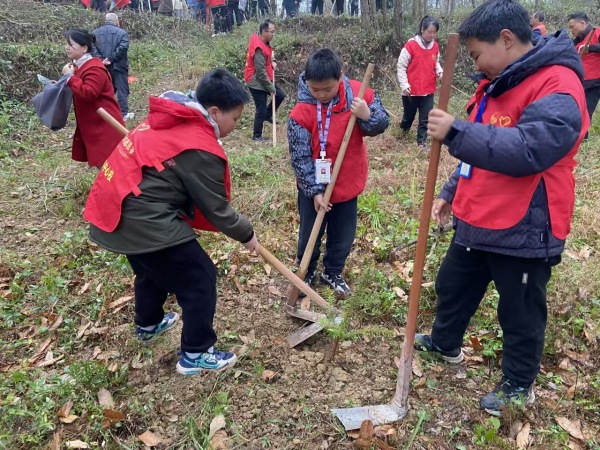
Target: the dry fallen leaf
pixel 218 441
pixel 56 324
pixel 76 444
pixel 65 410
pixel 416 366
pixel 273 290
pixel 267 268
pixel 397 361
pixel 215 425
pixel 523 436
pixel 400 293
pixel 477 346
pixel 384 430
pixel 267 375
pixel 69 419
pixel 305 304
pixel 105 399
pixel 111 418
pixel 571 427
pixel 85 287
pixel 55 444
pixel 149 438
pixel 365 436
pixel 120 301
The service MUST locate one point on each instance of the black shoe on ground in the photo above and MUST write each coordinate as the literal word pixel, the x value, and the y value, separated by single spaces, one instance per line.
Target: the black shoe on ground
pixel 424 343
pixel 309 279
pixel 507 391
pixel 337 283
pixel 270 120
pixel 259 139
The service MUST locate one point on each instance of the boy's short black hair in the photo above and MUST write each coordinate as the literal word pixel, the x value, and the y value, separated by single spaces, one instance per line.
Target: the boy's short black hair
pixel 265 26
pixel 579 16
pixel 540 16
pixel 221 89
pixel 489 19
pixel 323 65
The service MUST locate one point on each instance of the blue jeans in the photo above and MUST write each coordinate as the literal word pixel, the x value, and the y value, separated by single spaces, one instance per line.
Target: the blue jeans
pixel 340 224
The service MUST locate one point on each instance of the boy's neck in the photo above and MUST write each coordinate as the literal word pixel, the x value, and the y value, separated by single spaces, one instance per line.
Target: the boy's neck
pixel 518 50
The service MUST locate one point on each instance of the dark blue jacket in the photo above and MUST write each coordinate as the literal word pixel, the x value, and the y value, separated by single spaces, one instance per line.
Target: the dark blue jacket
pixel 546 131
pixel 112 42
pixel 300 140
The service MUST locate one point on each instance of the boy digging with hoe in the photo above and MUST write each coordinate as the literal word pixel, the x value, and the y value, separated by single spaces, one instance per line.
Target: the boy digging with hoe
pixel 512 195
pixel 168 175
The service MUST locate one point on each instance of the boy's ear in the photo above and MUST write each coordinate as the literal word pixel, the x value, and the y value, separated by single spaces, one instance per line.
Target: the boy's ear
pixel 508 38
pixel 212 112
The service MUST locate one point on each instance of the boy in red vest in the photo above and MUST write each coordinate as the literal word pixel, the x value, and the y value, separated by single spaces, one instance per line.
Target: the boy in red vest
pixel 580 27
pixel 259 75
pixel 513 193
pixel 168 176
pixel 316 127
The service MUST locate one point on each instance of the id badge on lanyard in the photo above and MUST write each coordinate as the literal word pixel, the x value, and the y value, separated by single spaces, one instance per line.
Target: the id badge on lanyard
pixel 323 165
pixel 466 169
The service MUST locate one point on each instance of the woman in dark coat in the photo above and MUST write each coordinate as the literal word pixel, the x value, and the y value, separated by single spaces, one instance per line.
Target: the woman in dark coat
pixel 94 139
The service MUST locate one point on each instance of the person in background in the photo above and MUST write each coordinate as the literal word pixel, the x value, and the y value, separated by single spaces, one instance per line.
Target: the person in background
pixel 418 68
pixel 291 7
pixel 580 27
pixel 316 6
pixel 235 14
pixel 538 28
pixel 182 183
pixel 259 74
pixel 220 16
pixel 94 139
pixel 112 45
pixel 354 8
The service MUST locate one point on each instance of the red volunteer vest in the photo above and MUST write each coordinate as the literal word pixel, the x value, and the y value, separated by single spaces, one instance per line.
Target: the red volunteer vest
pixel 352 177
pixel 541 27
pixel 495 201
pixel 421 69
pixel 121 174
pixel 254 43
pixel 591 61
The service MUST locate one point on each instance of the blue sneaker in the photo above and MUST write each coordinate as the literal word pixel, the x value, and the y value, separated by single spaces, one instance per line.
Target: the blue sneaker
pixel 167 323
pixel 507 391
pixel 212 360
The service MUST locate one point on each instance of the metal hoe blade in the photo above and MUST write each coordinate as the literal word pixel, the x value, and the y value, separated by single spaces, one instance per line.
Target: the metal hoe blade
pixel 352 418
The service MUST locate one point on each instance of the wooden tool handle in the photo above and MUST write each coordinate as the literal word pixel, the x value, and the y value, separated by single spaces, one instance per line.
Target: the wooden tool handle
pixel 112 121
pixel 405 369
pixel 293 297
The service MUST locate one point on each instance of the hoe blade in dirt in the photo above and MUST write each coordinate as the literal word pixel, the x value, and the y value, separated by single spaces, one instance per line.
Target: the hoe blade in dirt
pixel 352 418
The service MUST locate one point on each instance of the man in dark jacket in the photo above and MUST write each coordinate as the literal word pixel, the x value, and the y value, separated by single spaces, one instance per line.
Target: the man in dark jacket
pixel 112 44
pixel 513 193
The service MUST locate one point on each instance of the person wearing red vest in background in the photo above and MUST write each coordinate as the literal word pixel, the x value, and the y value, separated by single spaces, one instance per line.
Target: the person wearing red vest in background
pixel 580 28
pixel 166 177
pixel 220 15
pixel 316 127
pixel 538 28
pixel 418 67
pixel 258 74
pixel 513 193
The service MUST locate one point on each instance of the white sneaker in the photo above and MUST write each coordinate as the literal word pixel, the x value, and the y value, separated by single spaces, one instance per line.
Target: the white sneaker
pixel 129 116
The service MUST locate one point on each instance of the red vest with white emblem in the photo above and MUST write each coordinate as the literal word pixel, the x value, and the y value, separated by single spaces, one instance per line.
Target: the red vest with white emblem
pixel 421 69
pixel 496 201
pixel 255 43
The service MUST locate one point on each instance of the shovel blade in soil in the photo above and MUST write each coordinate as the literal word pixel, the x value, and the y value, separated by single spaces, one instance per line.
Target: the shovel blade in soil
pixel 352 418
pixel 299 336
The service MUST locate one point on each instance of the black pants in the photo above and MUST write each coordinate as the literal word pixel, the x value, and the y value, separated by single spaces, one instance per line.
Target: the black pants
pixel 221 19
pixel 411 105
pixel 121 87
pixel 353 8
pixel 291 8
pixel 592 96
pixel 188 272
pixel 340 224
pixel 316 5
pixel 264 111
pixel 460 286
pixel 236 15
pixel 339 7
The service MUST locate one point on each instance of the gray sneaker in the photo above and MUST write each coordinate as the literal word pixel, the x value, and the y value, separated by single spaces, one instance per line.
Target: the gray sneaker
pixel 424 343
pixel 337 283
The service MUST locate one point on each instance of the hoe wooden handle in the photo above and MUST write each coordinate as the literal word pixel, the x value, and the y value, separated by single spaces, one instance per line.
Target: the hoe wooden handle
pixel 112 121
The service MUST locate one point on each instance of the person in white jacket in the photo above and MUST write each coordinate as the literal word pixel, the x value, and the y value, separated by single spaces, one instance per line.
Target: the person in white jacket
pixel 418 68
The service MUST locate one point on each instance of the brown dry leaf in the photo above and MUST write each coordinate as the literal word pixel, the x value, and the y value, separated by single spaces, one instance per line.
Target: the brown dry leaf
pixel 113 367
pixel 96 352
pixel 381 445
pixel 591 331
pixel 149 438
pixel 523 436
pixel 76 444
pixel 219 441
pixel 354 434
pixel 305 304
pixel 365 436
pixel 579 357
pixel 404 269
pixel 400 293
pixel 85 287
pixel 571 427
pixel 215 425
pixel 49 360
pixel 120 301
pixel 570 393
pixel 65 410
pixel 268 375
pixel 236 280
pixel 477 346
pixel 585 252
pixel 428 284
pixel 56 324
pixel 416 366
pixel 397 361
pixel 85 324
pixel 55 444
pixel 69 419
pixel 99 287
pixel 111 418
pixel 273 290
pixel 41 350
pixel 572 254
pixel 385 430
pixel 267 268
pixel 421 383
pixel 97 330
pixel 105 398
pixel 574 445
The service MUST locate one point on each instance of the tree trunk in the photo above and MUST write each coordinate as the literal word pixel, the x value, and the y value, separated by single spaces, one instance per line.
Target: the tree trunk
pixel 416 11
pixel 398 13
pixel 364 14
pixel 538 5
pixel 424 10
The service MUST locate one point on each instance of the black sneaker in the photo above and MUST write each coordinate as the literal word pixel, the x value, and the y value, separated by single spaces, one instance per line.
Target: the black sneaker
pixel 259 139
pixel 337 283
pixel 507 391
pixel 424 343
pixel 309 279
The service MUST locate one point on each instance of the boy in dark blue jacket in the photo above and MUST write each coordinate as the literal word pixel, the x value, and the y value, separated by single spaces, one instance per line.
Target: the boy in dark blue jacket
pixel 512 194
